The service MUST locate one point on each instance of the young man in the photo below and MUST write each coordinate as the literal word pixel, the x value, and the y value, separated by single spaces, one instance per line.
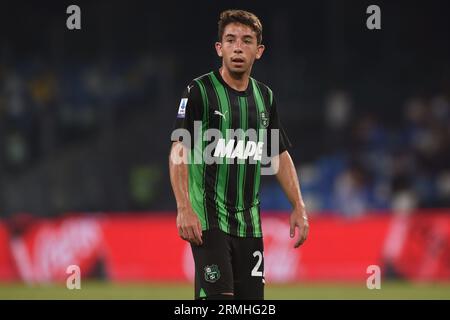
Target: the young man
pixel 218 196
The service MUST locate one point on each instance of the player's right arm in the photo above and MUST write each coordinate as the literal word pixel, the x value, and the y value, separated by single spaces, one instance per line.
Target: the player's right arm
pixel 188 224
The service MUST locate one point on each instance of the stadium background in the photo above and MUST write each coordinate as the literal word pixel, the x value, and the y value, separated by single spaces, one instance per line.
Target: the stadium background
pixel 86 116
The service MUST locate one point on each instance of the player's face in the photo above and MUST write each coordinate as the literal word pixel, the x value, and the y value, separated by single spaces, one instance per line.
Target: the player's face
pixel 239 48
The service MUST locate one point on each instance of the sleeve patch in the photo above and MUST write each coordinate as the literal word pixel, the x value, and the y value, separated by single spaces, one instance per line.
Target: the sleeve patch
pixel 182 108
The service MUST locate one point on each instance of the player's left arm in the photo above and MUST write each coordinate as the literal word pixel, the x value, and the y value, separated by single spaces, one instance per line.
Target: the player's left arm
pixel 288 179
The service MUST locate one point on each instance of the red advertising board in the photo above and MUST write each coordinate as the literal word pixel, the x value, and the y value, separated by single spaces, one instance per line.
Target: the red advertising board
pixel 146 247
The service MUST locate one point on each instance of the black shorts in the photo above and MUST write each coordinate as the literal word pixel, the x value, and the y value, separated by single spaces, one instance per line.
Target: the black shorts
pixel 229 264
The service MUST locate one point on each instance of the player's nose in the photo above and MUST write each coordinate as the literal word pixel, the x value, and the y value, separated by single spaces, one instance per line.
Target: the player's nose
pixel 238 47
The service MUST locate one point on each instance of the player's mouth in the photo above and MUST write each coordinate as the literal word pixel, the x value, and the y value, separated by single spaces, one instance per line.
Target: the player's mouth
pixel 237 61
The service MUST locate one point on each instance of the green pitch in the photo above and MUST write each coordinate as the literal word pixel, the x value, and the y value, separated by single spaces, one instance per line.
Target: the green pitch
pixel 154 291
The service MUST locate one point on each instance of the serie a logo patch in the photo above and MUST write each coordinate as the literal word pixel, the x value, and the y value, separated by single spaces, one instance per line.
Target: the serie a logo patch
pixel 212 273
pixel 182 108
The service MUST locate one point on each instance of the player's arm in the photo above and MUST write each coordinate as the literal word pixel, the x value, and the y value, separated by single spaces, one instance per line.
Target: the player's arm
pixel 288 179
pixel 188 223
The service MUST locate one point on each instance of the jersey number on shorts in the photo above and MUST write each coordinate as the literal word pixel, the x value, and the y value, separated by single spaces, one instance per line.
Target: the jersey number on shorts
pixel 255 271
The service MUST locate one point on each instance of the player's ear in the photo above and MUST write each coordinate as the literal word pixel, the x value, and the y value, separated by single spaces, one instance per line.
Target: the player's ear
pixel 259 51
pixel 218 46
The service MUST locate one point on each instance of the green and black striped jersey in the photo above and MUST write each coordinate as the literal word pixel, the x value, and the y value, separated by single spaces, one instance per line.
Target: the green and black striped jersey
pixel 225 192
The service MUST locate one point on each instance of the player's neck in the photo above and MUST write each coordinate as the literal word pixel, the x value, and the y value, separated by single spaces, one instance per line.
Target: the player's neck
pixel 238 82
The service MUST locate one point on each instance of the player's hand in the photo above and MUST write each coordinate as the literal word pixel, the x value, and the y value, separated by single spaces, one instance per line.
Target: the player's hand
pixel 299 219
pixel 189 226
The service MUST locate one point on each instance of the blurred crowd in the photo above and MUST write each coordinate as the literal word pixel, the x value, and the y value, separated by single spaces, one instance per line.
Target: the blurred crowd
pixel 44 107
pixel 370 165
pixel 74 137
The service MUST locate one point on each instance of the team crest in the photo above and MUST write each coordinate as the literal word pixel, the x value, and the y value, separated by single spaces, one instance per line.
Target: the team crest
pixel 264 120
pixel 212 273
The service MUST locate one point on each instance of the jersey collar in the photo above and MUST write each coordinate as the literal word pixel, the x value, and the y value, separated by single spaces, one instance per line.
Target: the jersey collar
pixel 246 92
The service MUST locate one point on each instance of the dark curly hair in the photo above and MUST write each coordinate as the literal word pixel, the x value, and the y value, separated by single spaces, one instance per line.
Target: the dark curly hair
pixel 240 16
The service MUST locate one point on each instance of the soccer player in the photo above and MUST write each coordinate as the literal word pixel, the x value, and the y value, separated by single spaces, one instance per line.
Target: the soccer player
pixel 218 206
